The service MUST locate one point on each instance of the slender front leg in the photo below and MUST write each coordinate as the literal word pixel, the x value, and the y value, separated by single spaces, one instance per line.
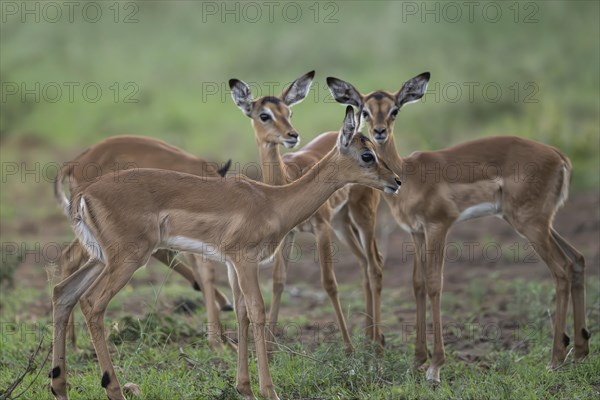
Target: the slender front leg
pixel 243 376
pixel 64 297
pixel 279 278
pixel 375 268
pixel 325 247
pixel 247 273
pixel 435 240
pixel 205 271
pixel 347 233
pixel 363 205
pixel 420 299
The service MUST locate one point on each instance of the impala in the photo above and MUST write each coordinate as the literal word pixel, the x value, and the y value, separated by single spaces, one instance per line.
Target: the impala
pixel 270 118
pixel 236 220
pixel 519 180
pixel 112 156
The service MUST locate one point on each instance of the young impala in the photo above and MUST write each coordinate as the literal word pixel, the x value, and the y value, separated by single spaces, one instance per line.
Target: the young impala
pixel 118 153
pixel 270 118
pixel 522 181
pixel 236 220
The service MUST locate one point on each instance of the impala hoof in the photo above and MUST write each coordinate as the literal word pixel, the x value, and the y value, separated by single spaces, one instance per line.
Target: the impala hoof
pixel 269 394
pixel 349 350
pixel 433 376
pixel 245 391
pixel 132 389
pixel 419 363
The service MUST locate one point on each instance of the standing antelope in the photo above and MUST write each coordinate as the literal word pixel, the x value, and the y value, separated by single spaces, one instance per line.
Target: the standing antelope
pixel 234 219
pixel 522 181
pixel 115 154
pixel 270 118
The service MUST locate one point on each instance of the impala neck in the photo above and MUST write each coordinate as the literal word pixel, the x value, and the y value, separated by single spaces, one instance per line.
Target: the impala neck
pixel 389 154
pixel 300 199
pixel 272 165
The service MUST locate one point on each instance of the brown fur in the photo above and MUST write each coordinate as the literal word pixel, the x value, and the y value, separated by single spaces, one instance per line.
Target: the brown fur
pixel 280 170
pixel 242 219
pixel 526 179
pixel 111 157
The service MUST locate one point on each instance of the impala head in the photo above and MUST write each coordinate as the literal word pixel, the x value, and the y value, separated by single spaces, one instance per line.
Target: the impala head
pixel 271 115
pixel 379 109
pixel 359 158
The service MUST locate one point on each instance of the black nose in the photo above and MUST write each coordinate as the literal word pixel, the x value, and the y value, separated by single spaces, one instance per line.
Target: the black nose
pixel 379 131
pixel 398 181
pixel 293 134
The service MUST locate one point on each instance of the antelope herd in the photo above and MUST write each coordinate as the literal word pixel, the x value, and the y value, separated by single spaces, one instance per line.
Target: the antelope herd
pixel 163 200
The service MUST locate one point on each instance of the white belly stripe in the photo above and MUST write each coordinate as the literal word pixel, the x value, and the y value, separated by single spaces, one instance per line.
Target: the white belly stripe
pixel 479 210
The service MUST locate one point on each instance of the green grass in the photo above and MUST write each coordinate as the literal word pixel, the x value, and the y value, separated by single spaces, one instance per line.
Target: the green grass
pixel 168 356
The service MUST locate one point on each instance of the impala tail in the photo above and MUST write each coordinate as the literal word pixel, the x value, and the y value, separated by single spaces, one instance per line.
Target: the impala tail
pixel 59 187
pixel 59 184
pixel 565 179
pixel 82 221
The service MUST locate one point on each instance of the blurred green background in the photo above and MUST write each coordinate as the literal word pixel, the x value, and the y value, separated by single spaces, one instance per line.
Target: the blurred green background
pixel 173 60
pixel 73 73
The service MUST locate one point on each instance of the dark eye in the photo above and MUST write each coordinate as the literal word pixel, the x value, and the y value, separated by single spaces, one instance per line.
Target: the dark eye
pixel 368 157
pixel 365 115
pixel 264 117
pixel 394 114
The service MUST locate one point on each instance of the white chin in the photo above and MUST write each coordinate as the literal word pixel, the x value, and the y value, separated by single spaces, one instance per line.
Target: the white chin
pixel 389 190
pixel 379 141
pixel 290 145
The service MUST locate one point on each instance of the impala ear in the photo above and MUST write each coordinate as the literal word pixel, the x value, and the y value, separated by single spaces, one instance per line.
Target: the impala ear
pixel 348 129
pixel 344 93
pixel 241 95
pixel 298 89
pixel 413 89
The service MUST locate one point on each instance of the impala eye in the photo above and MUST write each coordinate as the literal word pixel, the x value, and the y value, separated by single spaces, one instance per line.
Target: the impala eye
pixel 394 114
pixel 365 115
pixel 264 117
pixel 368 158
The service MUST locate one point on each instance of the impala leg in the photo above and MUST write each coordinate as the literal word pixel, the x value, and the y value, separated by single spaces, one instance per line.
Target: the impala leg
pixel 247 273
pixel 279 278
pixel 375 268
pixel 363 211
pixel 205 269
pixel 582 334
pixel 93 305
pixel 72 257
pixel 322 230
pixel 435 239
pixel 64 297
pixel 420 292
pixel 348 235
pixel 168 257
pixel 241 313
pixel 222 301
pixel 561 268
